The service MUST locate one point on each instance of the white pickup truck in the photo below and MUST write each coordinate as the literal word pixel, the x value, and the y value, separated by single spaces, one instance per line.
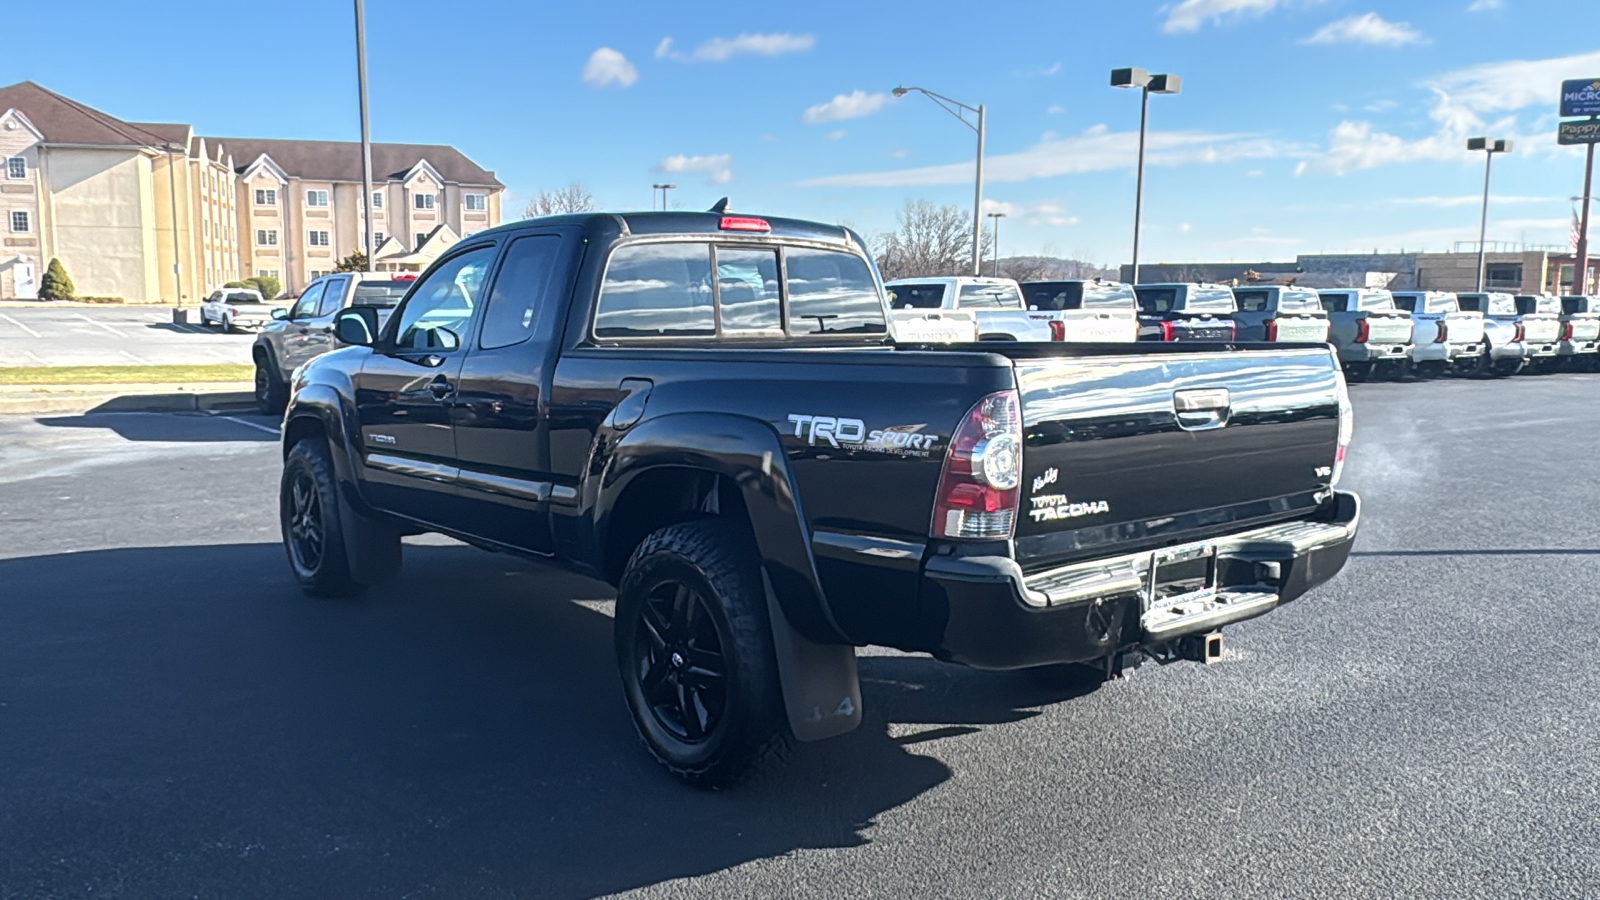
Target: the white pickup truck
pixel 1444 336
pixel 1104 312
pixel 995 303
pixel 235 309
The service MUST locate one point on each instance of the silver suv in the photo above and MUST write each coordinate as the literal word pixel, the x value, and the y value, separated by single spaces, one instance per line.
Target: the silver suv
pixel 305 330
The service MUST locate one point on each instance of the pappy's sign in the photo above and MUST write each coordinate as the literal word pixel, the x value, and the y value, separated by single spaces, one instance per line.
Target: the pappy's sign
pixel 1580 97
pixel 1578 132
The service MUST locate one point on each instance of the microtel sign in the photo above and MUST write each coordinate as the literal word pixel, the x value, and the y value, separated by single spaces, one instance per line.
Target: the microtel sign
pixel 1580 97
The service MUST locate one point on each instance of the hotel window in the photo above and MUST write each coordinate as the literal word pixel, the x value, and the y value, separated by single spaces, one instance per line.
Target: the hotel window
pixel 422 201
pixel 421 236
pixel 267 197
pixel 16 167
pixel 477 202
pixel 266 273
pixel 377 238
pixel 377 199
pixel 317 238
pixel 267 237
pixel 19 220
pixel 316 198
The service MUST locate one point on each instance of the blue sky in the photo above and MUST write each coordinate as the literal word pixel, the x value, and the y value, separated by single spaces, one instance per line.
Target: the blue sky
pixel 1304 126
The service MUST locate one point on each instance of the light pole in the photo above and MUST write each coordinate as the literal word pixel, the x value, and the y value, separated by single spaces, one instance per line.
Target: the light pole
pixel 957 109
pixel 1490 147
pixel 663 188
pixel 366 138
pixel 1148 84
pixel 997 216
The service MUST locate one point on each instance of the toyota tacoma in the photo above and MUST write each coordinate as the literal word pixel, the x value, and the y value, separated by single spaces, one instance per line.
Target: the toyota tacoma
pixel 706 410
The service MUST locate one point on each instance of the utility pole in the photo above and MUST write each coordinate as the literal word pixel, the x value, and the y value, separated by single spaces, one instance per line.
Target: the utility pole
pixel 996 216
pixel 1580 269
pixel 1148 84
pixel 366 138
pixel 958 109
pixel 1490 147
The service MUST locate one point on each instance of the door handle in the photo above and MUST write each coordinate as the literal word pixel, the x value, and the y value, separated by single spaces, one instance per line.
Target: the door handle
pixel 440 387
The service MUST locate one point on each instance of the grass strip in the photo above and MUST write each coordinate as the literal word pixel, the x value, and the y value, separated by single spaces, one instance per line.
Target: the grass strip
pixel 201 374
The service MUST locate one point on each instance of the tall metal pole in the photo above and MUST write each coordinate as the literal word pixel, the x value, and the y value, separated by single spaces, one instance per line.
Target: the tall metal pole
pixel 366 139
pixel 1580 273
pixel 1138 188
pixel 1483 223
pixel 996 271
pixel 977 204
pixel 172 195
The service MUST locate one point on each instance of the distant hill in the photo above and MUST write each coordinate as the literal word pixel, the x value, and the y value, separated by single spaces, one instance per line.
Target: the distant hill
pixel 1048 268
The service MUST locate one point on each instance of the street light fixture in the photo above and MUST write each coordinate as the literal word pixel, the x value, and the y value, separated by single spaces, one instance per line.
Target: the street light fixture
pixel 1148 84
pixel 663 188
pixel 958 109
pixel 997 216
pixel 1490 147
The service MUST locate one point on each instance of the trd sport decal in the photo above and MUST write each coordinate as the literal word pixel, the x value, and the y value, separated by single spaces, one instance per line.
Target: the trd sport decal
pixel 852 434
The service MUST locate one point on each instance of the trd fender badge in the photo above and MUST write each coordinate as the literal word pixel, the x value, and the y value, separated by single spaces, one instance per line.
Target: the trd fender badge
pixel 382 439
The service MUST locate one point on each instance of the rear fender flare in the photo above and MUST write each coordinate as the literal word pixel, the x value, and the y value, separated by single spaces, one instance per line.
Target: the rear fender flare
pixel 748 453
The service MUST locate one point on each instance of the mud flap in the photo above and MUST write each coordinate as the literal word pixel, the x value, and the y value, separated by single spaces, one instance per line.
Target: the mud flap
pixel 821 691
pixel 373 552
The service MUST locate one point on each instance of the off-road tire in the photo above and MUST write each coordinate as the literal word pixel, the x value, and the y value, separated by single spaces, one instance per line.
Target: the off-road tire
pixel 716 561
pixel 271 394
pixel 1360 372
pixel 328 572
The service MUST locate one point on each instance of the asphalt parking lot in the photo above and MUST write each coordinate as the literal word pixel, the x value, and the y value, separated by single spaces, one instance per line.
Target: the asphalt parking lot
pixel 178 719
pixel 78 335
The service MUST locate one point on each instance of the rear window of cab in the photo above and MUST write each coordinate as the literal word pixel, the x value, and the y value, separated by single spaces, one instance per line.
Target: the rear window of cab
pixel 706 289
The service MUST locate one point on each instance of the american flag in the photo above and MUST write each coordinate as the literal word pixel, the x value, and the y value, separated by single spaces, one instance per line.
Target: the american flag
pixel 1576 234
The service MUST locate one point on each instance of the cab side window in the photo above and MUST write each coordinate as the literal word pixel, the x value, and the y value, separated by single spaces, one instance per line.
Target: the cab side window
pixel 306 306
pixel 1251 301
pixel 521 291
pixel 437 312
pixel 332 296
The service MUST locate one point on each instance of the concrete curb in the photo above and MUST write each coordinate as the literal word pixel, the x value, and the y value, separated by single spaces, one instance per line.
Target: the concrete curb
pixel 98 398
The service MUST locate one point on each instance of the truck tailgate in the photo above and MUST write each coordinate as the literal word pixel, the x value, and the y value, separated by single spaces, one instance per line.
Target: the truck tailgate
pixel 1388 328
pixel 1585 328
pixel 1541 329
pixel 1465 327
pixel 1302 329
pixel 1201 328
pixel 1129 452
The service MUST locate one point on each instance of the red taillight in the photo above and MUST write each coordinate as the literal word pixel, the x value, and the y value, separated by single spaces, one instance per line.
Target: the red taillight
pixel 1233 331
pixel 1272 329
pixel 1058 330
pixel 1363 331
pixel 1166 331
pixel 1566 331
pixel 744 223
pixel 1443 335
pixel 982 478
pixel 1521 335
pixel 404 278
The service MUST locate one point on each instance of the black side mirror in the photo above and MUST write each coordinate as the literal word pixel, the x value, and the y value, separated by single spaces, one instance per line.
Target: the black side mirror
pixel 357 326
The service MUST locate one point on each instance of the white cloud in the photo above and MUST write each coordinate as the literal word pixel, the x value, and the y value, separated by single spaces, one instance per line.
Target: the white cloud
pixel 1466 200
pixel 1367 28
pixel 1548 224
pixel 836 135
pixel 1054 110
pixel 1191 14
pixel 1185 226
pixel 1095 150
pixel 720 49
pixel 717 167
pixel 900 154
pixel 606 67
pixel 1037 214
pixel 853 105
pixel 1379 106
pixel 1484 5
pixel 1481 99
pixel 1255 173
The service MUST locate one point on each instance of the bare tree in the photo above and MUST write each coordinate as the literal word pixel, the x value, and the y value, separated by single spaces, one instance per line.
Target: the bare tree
pixel 570 199
pixel 931 240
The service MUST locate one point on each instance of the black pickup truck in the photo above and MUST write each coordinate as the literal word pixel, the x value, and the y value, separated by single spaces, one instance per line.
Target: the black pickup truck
pixel 706 411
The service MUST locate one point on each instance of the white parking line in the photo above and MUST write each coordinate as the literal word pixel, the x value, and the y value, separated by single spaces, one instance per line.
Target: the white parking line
pixel 155 318
pixel 142 362
pixel 20 325
pixel 35 357
pixel 99 324
pixel 250 425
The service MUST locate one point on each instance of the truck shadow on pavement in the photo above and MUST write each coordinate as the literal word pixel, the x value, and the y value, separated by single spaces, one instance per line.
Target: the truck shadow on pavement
pixel 182 720
pixel 176 427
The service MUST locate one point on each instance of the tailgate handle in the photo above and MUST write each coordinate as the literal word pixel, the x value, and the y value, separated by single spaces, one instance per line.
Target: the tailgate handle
pixel 1202 409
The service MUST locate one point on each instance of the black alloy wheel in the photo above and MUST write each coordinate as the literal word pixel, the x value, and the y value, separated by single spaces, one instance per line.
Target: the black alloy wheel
pixel 679 663
pixel 303 521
